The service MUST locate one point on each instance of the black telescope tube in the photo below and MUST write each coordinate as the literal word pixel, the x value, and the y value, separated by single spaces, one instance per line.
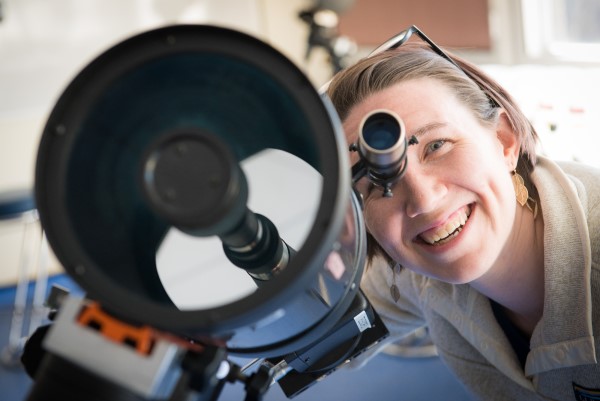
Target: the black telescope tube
pixel 263 253
pixel 193 180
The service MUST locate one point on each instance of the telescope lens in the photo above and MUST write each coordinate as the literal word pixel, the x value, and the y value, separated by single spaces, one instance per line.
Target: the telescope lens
pixel 381 131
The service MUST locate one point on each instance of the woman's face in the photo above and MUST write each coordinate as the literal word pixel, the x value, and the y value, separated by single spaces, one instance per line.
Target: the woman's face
pixel 452 213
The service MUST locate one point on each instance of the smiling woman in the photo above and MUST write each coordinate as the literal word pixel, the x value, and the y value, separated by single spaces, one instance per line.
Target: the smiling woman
pixel 480 225
pixel 477 155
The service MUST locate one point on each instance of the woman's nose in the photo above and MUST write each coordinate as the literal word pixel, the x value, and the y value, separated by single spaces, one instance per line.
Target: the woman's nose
pixel 421 192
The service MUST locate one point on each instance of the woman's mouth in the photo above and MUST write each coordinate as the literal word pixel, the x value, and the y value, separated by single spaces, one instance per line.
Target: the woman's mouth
pixel 447 231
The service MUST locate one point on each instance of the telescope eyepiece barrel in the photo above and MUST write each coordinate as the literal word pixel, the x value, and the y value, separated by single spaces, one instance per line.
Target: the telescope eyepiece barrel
pixel 381 131
pixel 382 148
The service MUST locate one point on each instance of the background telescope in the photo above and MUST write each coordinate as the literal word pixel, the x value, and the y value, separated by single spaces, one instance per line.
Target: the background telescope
pixel 166 137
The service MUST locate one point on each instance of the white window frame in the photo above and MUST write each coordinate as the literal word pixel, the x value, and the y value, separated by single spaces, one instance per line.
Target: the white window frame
pixel 540 44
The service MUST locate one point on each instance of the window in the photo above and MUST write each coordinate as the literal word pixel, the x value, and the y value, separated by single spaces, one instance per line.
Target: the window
pixel 562 30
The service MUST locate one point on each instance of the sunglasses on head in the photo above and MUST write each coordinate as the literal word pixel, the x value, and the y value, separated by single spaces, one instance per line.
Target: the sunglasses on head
pixel 399 39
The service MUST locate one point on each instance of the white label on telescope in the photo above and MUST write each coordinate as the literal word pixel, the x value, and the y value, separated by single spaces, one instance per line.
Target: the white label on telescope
pixel 362 321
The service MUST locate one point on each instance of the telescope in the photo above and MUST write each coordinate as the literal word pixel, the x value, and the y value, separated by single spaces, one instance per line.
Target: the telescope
pixel 196 186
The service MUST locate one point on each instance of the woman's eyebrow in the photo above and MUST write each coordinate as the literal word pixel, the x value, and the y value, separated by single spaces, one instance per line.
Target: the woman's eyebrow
pixel 426 128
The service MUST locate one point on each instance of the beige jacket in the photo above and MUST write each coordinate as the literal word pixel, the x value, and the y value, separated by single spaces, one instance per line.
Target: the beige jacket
pixel 564 352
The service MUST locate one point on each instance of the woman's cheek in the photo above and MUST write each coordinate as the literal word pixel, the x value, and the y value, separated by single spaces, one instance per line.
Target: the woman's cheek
pixel 368 211
pixel 374 219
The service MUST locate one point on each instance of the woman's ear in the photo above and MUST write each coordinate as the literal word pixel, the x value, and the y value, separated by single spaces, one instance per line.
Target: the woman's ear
pixel 509 140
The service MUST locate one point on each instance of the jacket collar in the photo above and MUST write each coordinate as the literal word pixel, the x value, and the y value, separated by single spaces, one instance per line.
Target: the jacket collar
pixel 564 336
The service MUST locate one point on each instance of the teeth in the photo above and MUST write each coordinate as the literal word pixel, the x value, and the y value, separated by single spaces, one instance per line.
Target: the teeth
pixel 449 230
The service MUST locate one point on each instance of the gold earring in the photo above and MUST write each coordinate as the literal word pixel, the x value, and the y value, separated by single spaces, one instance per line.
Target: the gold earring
pixel 521 191
pixel 522 194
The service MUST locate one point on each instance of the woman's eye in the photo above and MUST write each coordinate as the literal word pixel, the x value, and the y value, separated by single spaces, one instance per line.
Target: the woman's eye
pixel 435 145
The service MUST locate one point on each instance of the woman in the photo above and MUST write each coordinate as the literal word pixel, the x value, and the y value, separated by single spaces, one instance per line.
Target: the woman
pixel 494 248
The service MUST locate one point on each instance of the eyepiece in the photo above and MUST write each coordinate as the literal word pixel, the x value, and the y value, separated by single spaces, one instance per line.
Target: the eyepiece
pixel 382 147
pixel 382 141
pixel 381 131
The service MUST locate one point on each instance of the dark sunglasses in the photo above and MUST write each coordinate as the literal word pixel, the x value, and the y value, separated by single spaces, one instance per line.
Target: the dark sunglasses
pixel 399 39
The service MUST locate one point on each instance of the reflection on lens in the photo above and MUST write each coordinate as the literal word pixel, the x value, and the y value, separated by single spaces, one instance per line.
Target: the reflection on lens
pixel 382 141
pixel 195 271
pixel 381 131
